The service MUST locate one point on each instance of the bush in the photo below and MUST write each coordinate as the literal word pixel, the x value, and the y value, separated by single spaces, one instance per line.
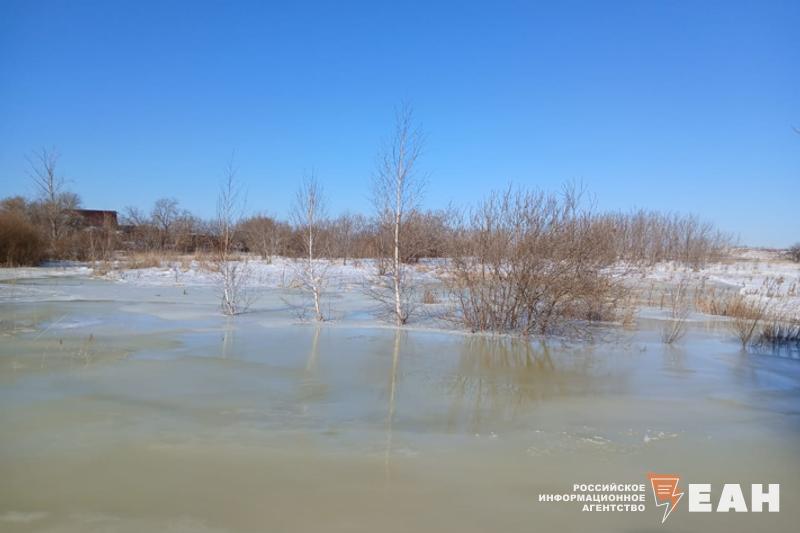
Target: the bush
pixel 746 316
pixel 20 242
pixel 675 328
pixel 532 263
pixel 794 252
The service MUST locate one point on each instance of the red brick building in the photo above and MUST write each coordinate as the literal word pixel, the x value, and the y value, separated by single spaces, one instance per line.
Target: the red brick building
pixel 95 218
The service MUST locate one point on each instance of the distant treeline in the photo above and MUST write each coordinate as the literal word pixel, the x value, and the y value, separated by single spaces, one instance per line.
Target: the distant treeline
pixel 35 230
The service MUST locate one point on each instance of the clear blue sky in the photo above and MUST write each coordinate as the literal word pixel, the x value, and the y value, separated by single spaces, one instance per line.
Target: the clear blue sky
pixel 685 106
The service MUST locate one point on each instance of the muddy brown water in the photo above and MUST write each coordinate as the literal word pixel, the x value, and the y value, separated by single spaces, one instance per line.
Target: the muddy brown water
pixel 140 409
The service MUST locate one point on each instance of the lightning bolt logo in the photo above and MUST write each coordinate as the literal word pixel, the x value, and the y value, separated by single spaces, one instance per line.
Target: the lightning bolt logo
pixel 665 492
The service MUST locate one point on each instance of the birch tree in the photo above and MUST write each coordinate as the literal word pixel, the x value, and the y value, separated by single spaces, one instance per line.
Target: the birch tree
pixel 234 274
pixel 308 216
pixel 397 188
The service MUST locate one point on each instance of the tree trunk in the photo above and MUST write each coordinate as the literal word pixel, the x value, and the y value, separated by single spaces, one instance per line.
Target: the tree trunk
pixel 398 306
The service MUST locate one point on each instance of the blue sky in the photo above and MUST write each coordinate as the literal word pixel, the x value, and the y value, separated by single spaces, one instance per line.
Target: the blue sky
pixel 681 106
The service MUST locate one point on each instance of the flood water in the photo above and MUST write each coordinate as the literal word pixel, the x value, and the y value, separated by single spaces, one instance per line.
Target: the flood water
pixel 133 409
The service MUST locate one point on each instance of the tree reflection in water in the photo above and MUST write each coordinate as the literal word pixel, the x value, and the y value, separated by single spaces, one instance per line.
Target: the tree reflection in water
pixel 499 378
pixel 392 402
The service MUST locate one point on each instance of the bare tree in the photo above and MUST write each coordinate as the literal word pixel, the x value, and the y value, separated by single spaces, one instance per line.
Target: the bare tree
pixel 134 216
pixel 141 235
pixel 308 216
pixel 263 235
pixel 343 229
pixel 234 273
pixel 56 201
pixel 165 212
pixel 397 188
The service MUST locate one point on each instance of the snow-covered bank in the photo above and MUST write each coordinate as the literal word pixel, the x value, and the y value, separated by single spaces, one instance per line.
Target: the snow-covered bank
pixel 753 273
pixel 279 273
pixel 747 272
pixel 48 270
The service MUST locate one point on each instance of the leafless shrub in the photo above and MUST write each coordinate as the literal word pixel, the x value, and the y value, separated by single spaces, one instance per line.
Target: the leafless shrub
pixel 678 302
pixel 794 252
pixel 531 262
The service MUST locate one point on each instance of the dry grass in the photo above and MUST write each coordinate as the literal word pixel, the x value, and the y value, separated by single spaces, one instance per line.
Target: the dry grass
pixel 627 309
pixel 746 317
pixel 723 303
pixel 430 296
pixel 101 268
pixel 746 314
pixel 138 260
pixel 712 301
pixel 760 317
pixel 779 332
pixel 163 259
